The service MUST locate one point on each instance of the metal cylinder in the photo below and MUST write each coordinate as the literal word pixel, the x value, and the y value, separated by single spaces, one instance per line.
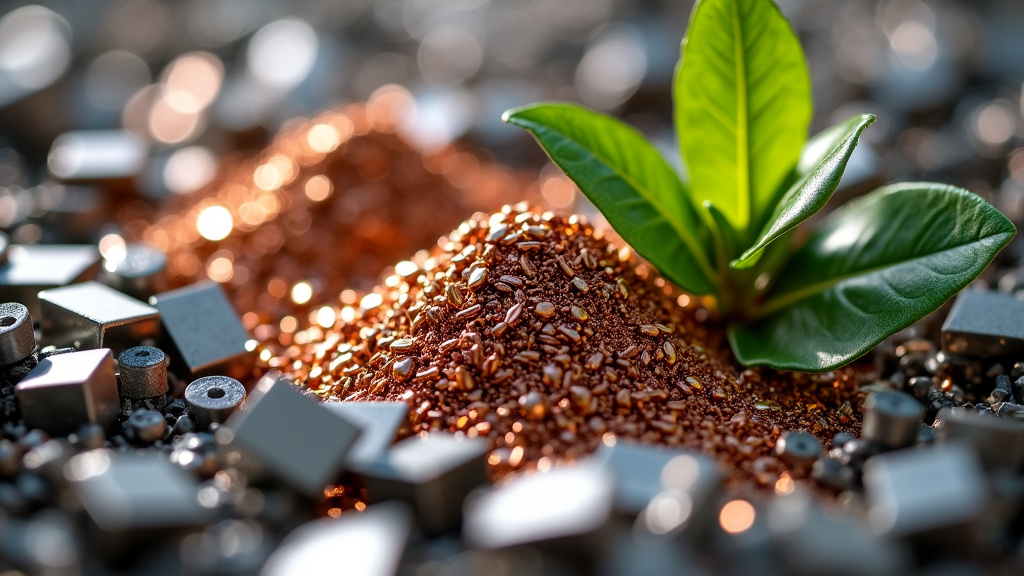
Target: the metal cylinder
pixel 143 376
pixel 891 419
pixel 138 271
pixel 17 338
pixel 214 398
pixel 4 243
pixel 798 449
pixel 147 426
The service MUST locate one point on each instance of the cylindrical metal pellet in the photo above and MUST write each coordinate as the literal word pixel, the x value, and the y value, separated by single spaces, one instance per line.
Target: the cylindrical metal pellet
pixel 4 243
pixel 147 426
pixel 798 449
pixel 10 457
pixel 90 436
pixel 143 378
pixel 214 398
pixel 17 338
pixel 891 419
pixel 138 271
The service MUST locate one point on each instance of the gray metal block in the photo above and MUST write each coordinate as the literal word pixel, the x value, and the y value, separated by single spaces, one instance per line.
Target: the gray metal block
pixel 65 391
pixel 202 332
pixel 567 511
pixel 366 544
pixel 380 422
pixel 32 268
pixel 999 442
pixel 631 553
pixel 891 419
pixel 134 492
pixel 688 504
pixel 214 398
pixel 811 543
pixel 434 473
pixel 97 155
pixel 637 469
pixel 139 272
pixel 90 315
pixel 937 492
pixel 984 325
pixel 291 437
pixel 17 337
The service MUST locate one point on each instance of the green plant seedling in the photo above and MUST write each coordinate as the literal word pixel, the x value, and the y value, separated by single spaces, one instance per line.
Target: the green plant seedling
pixel 742 111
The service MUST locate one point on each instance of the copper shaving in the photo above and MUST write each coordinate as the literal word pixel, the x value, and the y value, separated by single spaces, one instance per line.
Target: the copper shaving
pixel 535 331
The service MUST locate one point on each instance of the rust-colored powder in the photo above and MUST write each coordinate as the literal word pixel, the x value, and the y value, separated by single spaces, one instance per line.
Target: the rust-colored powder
pixel 327 206
pixel 535 331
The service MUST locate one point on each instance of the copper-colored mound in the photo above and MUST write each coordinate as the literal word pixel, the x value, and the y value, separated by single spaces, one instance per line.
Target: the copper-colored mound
pixel 328 204
pixel 537 332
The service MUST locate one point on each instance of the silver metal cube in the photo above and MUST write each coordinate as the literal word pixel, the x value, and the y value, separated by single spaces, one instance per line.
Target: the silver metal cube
pixel 691 482
pixel 434 473
pixel 380 423
pixel 65 391
pixel 811 542
pixel 90 315
pixel 984 325
pixel 366 544
pixel 637 469
pixel 935 495
pixel 202 333
pixel 565 511
pixel 132 499
pixel 289 436
pixel 31 268
pixel 999 442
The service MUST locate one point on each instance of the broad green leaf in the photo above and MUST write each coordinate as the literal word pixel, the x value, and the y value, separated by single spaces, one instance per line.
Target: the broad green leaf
pixel 876 266
pixel 818 178
pixel 743 106
pixel 630 182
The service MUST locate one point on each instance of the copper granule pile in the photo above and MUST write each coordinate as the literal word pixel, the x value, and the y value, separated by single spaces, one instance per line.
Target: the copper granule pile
pixel 535 331
pixel 326 206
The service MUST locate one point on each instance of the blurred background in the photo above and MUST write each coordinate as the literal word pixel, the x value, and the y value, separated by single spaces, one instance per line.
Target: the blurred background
pixel 125 99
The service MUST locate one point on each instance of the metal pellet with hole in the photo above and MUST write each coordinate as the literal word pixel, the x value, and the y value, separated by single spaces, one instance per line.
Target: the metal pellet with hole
pixel 214 398
pixel 17 339
pixel 143 382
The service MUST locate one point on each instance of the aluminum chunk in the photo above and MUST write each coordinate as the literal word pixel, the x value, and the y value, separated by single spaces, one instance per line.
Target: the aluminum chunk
pixel 65 391
pixel 291 437
pixel 366 544
pixel 202 333
pixel 90 315
pixel 433 473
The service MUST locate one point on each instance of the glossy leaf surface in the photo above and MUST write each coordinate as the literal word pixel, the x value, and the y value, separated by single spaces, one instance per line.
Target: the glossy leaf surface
pixel 630 183
pixel 817 178
pixel 743 106
pixel 875 267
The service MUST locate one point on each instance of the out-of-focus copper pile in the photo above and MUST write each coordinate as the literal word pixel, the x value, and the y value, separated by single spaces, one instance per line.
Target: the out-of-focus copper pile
pixel 327 206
